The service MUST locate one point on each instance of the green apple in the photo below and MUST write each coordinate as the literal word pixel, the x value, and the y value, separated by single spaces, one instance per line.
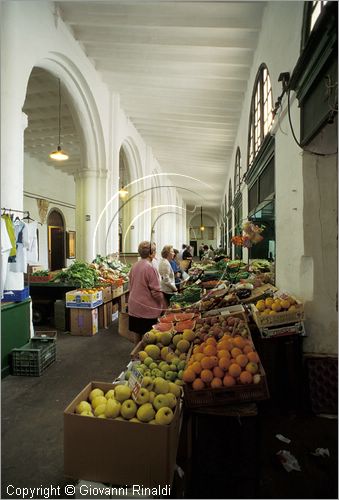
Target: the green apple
pixel 153 366
pixel 98 400
pixel 181 364
pixel 145 412
pixel 109 394
pixel 112 409
pixel 175 361
pixel 147 382
pixel 102 415
pixel 171 376
pixel 179 382
pixel 164 367
pixel 153 422
pixel 170 356
pixel 148 361
pixel 94 393
pixel 173 367
pixel 128 409
pixel 153 351
pixel 172 400
pixel 165 338
pixel 143 396
pixel 174 389
pixel 87 413
pixel 164 416
pixel 160 400
pixel 160 385
pixel 135 420
pixel 83 406
pixel 122 392
pixel 177 338
pixel 142 356
pixel 100 409
pixel 152 395
pixel 180 374
pixel 164 352
pixel 149 337
pixel 127 374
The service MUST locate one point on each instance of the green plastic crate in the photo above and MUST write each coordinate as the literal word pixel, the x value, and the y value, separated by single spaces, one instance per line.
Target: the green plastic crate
pixel 32 359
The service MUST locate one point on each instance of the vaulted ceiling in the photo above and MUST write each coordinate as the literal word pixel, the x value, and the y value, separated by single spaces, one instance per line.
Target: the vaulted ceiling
pixel 181 69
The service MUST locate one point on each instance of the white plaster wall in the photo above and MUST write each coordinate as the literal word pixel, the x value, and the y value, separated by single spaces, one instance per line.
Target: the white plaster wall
pixel 42 181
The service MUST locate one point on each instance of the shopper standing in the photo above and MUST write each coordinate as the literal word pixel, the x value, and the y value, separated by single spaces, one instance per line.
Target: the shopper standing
pixel 167 284
pixel 183 248
pixel 146 301
pixel 187 258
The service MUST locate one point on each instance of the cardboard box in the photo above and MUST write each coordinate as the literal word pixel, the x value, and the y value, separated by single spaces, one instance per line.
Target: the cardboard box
pixel 123 328
pixel 107 294
pixel 84 299
pixel 116 451
pixel 116 292
pixel 101 316
pixel 108 308
pixel 84 322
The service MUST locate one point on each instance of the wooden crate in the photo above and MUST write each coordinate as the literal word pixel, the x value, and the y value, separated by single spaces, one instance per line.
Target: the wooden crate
pixel 280 318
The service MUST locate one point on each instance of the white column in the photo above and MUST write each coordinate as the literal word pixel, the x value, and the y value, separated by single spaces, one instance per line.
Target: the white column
pixel 86 214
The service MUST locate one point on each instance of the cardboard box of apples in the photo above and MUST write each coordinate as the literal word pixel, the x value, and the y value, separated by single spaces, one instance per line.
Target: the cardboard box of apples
pixel 108 436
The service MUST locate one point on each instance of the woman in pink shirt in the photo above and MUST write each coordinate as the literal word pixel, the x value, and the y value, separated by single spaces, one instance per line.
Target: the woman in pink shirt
pixel 146 301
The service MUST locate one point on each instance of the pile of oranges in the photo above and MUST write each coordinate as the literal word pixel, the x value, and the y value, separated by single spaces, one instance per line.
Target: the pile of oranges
pixel 271 306
pixel 222 363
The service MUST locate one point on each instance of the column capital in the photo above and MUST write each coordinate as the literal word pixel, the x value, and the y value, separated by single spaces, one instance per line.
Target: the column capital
pixel 90 173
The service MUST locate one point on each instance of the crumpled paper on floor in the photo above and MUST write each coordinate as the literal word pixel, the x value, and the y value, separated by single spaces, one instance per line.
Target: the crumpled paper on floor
pixel 321 452
pixel 282 438
pixel 288 461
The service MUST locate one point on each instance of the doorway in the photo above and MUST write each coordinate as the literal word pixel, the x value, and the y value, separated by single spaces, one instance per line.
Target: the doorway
pixel 56 241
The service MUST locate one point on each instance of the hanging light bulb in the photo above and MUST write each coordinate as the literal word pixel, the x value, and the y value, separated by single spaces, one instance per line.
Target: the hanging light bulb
pixel 123 192
pixel 202 227
pixel 59 154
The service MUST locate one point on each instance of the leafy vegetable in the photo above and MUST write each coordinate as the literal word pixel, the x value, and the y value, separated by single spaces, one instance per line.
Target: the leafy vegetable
pixel 79 275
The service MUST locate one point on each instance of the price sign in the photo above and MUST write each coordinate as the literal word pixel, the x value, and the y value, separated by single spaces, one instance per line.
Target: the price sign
pixel 135 381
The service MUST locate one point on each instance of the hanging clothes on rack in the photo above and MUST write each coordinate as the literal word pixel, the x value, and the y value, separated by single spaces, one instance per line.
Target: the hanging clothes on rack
pixel 18 263
pixel 32 250
pixel 6 246
pixel 11 233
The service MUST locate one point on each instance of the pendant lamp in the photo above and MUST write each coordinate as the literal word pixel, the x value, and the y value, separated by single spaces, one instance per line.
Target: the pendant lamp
pixel 59 154
pixel 202 227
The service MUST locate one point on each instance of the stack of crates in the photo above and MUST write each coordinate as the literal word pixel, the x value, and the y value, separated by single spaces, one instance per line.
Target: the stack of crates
pixel 32 359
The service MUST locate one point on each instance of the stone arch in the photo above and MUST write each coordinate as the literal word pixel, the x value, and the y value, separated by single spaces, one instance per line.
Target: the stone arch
pixel 83 107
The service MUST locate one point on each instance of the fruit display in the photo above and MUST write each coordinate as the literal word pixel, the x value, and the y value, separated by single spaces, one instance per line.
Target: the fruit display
pixel 218 326
pixel 274 305
pixel 228 361
pixel 111 270
pixel 214 300
pixel 189 295
pixel 154 405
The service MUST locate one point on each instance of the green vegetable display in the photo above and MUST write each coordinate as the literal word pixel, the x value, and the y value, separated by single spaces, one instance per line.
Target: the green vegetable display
pixel 79 275
pixel 41 273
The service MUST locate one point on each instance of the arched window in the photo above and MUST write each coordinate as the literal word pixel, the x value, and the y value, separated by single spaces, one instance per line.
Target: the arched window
pixel 261 116
pixel 237 172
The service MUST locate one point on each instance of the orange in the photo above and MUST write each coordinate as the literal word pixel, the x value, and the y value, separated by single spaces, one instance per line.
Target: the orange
pixel 242 360
pixel 228 381
pixel 239 342
pixel 225 345
pixel 210 350
pixel 218 372
pixel 216 382
pixel 268 302
pixel 198 356
pixel 224 363
pixel 189 375
pixel 235 352
pixel 207 363
pixel 206 376
pixel 195 349
pixel 211 341
pixel 248 348
pixel 196 367
pixel 223 354
pixel 198 384
pixel 234 370
pixel 253 356
pixel 276 306
pixel 246 377
pixel 214 360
